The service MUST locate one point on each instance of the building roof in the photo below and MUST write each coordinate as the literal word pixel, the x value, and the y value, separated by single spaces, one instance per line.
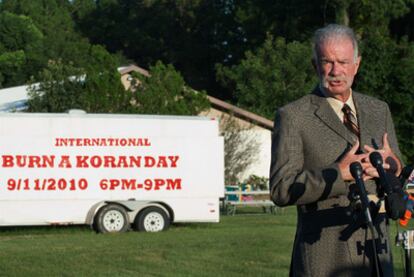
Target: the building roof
pixel 13 99
pixel 238 112
pixel 132 68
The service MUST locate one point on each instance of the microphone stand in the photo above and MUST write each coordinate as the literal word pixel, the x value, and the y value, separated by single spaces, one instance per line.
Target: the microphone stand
pixel 356 172
pixel 406 237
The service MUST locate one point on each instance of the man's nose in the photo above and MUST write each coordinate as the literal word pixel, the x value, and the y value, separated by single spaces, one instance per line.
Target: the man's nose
pixel 335 69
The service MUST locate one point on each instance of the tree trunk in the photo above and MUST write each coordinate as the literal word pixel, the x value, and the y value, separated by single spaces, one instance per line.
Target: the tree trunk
pixel 341 12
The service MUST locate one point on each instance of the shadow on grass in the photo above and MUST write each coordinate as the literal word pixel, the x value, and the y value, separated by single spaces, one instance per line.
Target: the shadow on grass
pixel 21 231
pixel 193 225
pixel 43 230
pixel 252 211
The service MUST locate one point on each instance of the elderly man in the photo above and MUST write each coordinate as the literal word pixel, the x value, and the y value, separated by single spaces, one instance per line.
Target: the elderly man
pixel 315 140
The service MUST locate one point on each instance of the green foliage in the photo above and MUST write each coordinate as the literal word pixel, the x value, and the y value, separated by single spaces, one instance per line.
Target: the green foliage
pixel 48 30
pixel 385 73
pixel 403 102
pixel 10 63
pixel 97 88
pixel 55 92
pixel 20 47
pixel 276 74
pixel 191 35
pixel 254 70
pixel 63 86
pixel 257 182
pixel 375 15
pixel 165 92
pixel 240 149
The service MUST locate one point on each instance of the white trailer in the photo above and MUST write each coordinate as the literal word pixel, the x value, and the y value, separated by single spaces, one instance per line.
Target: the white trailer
pixel 112 172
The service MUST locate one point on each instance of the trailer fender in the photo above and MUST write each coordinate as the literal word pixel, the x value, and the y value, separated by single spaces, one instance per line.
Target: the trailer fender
pixel 90 217
pixel 133 207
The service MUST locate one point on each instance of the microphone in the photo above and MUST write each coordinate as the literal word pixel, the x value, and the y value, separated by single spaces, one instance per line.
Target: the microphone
pixel 407 175
pixel 376 160
pixel 395 202
pixel 356 171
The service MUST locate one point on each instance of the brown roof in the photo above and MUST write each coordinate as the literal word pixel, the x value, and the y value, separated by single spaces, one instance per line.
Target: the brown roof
pixel 249 116
pixel 133 67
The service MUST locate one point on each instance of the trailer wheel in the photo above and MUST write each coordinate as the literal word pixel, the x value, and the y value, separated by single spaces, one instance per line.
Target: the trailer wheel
pixel 111 218
pixel 152 219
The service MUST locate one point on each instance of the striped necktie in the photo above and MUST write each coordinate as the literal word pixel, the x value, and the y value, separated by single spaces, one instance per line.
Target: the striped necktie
pixel 350 120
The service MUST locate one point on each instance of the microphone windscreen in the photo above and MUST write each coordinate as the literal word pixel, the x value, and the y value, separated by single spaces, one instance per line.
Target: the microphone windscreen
pixel 394 182
pixel 407 172
pixel 395 205
pixel 356 170
pixel 376 159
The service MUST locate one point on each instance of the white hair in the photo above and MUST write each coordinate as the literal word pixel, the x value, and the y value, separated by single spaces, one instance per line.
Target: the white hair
pixel 333 31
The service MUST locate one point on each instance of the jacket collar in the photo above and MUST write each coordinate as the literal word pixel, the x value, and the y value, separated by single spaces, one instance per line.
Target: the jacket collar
pixel 327 115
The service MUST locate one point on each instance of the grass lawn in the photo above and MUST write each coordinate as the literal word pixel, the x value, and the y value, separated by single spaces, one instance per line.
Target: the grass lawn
pixel 248 244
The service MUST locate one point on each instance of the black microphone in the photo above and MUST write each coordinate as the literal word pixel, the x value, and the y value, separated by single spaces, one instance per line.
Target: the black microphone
pixel 356 171
pixel 376 160
pixel 407 174
pixel 395 202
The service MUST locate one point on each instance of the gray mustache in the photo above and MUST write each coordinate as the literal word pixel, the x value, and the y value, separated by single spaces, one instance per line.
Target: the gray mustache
pixel 330 78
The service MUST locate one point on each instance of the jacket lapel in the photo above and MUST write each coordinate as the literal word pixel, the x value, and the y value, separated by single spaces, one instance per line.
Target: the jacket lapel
pixel 366 119
pixel 327 115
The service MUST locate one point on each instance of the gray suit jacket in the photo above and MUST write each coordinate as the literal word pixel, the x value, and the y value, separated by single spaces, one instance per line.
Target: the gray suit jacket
pixel 308 140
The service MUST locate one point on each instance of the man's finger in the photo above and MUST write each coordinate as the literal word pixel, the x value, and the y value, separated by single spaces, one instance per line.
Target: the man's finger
pixel 369 149
pixel 354 147
pixel 386 166
pixel 365 164
pixel 385 142
pixel 371 172
pixel 367 177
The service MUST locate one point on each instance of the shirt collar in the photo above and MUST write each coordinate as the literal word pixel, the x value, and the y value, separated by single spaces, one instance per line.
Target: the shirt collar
pixel 337 105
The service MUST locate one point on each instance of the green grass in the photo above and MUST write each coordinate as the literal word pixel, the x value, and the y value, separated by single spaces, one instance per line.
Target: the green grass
pixel 243 245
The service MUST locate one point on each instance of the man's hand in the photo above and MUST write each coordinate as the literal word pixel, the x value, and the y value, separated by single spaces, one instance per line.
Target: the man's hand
pixel 391 161
pixel 349 158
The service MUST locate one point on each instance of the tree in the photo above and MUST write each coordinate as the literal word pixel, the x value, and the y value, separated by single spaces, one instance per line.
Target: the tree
pixel 182 33
pixel 381 73
pixel 375 14
pixel 194 35
pixel 276 74
pixel 98 88
pixel 52 18
pixel 385 73
pixel 21 44
pixel 95 88
pixel 240 149
pixel 165 92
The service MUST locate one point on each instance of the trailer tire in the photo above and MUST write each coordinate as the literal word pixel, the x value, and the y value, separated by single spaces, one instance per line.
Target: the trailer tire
pixel 152 219
pixel 111 218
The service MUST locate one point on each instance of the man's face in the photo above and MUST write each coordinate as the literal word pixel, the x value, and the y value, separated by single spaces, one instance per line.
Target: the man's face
pixel 336 67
